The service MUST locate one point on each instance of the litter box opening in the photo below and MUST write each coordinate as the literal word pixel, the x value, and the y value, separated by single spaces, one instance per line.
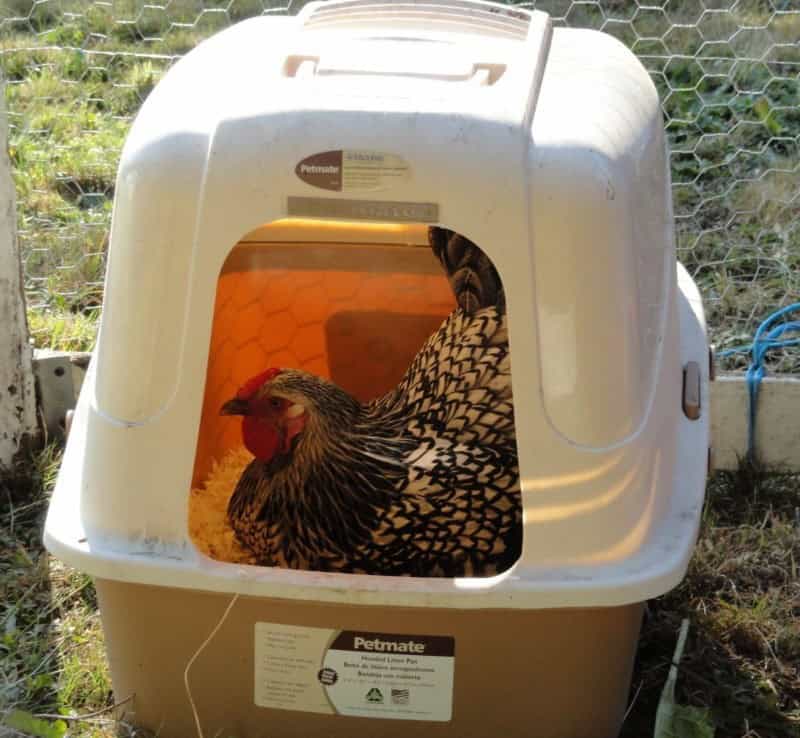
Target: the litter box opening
pixel 349 302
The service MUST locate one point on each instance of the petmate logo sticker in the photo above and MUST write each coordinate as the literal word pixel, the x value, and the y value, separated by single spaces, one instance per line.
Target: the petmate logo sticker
pixel 382 675
pixel 347 170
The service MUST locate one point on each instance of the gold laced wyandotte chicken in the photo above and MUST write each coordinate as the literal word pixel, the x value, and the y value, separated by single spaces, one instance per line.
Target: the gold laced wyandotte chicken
pixel 423 481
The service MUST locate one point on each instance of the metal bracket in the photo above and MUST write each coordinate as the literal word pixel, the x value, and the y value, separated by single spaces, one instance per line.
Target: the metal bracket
pixel 59 376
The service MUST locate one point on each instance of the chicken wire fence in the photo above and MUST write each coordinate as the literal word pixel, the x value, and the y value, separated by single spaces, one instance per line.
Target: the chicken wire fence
pixel 728 72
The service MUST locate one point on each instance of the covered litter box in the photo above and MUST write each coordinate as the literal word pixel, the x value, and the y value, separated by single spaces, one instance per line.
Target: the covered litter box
pixel 285 247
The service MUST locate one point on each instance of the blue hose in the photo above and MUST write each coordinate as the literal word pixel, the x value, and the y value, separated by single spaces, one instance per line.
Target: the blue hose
pixel 767 337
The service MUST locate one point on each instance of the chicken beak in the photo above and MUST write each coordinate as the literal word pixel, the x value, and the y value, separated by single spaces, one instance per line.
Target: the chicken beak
pixel 235 406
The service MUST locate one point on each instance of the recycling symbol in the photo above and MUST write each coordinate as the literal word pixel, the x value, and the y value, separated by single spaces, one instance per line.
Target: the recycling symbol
pixel 374 695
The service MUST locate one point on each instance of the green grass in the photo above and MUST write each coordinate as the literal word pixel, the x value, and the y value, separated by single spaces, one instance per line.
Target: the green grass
pixel 742 594
pixel 51 645
pixel 63 331
pixel 64 148
pixel 77 73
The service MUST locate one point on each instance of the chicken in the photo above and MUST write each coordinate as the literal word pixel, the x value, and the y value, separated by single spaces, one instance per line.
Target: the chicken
pixel 423 481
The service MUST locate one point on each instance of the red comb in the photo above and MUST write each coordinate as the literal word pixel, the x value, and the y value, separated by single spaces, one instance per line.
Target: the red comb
pixel 251 386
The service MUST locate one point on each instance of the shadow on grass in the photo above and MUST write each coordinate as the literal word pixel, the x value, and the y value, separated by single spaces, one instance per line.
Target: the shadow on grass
pixel 742 595
pixel 713 674
pixel 51 646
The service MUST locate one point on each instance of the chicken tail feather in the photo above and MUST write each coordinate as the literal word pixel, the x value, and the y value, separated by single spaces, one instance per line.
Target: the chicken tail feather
pixel 473 278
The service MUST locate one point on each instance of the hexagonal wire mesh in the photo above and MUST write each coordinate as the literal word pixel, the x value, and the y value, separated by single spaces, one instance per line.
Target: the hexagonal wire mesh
pixel 728 72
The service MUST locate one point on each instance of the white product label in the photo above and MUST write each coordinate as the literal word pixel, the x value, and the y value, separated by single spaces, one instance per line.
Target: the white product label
pixel 371 170
pixel 383 675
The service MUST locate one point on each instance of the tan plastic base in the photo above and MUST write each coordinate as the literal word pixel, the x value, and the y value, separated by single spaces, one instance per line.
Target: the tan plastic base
pixel 537 674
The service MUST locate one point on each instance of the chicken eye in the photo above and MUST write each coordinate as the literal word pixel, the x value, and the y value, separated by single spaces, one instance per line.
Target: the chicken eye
pixel 276 403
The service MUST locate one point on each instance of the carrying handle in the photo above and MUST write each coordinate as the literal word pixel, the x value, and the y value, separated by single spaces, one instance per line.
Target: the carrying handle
pixel 419 66
pixel 421 18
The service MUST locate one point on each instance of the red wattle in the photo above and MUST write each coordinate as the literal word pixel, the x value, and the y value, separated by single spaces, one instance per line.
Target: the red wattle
pixel 260 438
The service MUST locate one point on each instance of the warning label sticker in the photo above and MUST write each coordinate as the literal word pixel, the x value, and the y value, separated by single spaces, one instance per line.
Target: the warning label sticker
pixel 384 675
pixel 347 170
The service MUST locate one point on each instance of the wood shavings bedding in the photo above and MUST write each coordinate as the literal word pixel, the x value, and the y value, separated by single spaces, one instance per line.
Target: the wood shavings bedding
pixel 208 504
